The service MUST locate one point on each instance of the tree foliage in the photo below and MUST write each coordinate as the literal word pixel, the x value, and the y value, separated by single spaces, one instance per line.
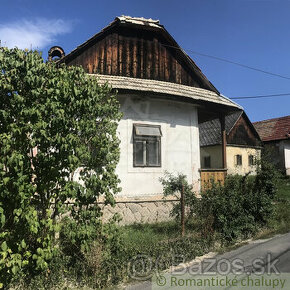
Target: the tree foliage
pixel 72 122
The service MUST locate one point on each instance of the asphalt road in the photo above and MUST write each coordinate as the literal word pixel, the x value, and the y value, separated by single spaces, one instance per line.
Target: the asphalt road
pixel 269 256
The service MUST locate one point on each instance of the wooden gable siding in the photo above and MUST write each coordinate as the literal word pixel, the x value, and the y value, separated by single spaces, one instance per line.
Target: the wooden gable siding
pixel 242 134
pixel 135 53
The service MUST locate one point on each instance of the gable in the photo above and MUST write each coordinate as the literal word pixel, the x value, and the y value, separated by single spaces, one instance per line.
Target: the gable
pixel 243 133
pixel 138 51
pixel 210 131
pixel 239 130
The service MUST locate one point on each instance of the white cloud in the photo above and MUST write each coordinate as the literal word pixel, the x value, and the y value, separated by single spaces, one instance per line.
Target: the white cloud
pixel 33 33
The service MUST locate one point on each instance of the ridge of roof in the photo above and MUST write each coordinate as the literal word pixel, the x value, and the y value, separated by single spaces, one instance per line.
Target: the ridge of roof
pixel 238 115
pixel 273 119
pixel 139 20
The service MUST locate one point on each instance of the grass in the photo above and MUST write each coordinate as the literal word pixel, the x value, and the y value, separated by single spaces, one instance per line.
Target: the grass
pixel 163 240
pixel 142 237
pixel 279 223
pixel 284 189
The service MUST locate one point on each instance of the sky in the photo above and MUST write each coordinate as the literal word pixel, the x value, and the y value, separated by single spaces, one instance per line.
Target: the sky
pixel 254 33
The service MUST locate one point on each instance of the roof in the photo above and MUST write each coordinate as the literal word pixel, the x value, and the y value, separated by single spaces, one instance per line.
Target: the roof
pixel 127 83
pixel 145 24
pixel 274 129
pixel 207 94
pixel 210 131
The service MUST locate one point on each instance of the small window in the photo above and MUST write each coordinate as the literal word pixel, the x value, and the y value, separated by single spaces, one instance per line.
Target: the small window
pixel 146 145
pixel 238 160
pixel 207 162
pixel 251 160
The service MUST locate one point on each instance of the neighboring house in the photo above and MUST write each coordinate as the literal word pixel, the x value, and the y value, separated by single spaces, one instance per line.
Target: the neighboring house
pixel 243 144
pixel 275 134
pixel 163 97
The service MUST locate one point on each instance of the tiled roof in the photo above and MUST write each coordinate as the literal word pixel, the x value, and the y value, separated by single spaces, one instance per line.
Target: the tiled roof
pixel 210 131
pixel 274 129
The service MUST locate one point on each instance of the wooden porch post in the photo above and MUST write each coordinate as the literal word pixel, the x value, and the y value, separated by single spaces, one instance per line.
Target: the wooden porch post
pixel 224 141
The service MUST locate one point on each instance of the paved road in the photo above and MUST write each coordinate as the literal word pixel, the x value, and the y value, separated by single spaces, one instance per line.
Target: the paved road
pixel 271 255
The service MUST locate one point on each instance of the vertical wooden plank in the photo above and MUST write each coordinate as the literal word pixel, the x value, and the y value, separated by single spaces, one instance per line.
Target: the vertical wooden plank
pixel 141 58
pixel 148 59
pixel 178 72
pixel 172 68
pixel 161 62
pixel 115 54
pixel 128 56
pixel 134 59
pixel 138 58
pixel 166 67
pixel 102 56
pixel 105 56
pixel 155 59
pixel 120 56
pixel 95 59
pixel 108 44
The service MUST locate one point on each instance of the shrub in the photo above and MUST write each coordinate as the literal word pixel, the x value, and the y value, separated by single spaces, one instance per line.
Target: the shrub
pixel 72 121
pixel 172 186
pixel 234 210
pixel 242 205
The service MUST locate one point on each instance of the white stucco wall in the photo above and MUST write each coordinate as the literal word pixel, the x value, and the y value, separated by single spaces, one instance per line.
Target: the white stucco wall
pixel 179 143
pixel 287 156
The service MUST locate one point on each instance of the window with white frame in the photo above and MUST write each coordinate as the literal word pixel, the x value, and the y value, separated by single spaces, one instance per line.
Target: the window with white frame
pixel 146 145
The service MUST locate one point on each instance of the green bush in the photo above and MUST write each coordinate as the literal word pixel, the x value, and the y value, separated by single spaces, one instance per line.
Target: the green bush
pixel 72 122
pixel 172 186
pixel 241 206
pixel 233 210
pixel 226 209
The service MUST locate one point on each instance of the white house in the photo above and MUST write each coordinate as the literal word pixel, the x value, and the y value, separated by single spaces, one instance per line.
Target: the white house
pixel 163 96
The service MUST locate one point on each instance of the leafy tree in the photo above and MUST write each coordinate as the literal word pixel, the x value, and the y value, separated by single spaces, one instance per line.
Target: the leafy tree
pixel 72 122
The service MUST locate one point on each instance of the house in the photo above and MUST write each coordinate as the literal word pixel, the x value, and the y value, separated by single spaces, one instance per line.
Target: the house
pixel 163 96
pixel 243 144
pixel 275 134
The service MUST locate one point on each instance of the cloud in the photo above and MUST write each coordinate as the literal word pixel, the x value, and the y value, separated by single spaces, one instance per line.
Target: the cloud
pixel 36 33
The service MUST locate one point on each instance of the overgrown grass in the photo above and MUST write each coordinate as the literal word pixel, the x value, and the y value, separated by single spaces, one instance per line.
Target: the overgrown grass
pixel 143 235
pixel 283 189
pixel 279 223
pixel 160 242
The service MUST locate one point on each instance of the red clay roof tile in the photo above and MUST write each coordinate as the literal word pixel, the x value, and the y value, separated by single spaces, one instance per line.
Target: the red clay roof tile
pixel 274 129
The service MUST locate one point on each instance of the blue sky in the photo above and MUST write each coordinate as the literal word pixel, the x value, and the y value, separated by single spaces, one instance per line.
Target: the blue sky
pixel 251 32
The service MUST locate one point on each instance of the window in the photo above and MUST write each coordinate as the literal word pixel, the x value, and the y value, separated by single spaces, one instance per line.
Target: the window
pixel 238 160
pixel 251 160
pixel 146 145
pixel 207 161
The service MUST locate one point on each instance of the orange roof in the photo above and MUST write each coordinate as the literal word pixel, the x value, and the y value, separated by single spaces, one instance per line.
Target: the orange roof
pixel 274 129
